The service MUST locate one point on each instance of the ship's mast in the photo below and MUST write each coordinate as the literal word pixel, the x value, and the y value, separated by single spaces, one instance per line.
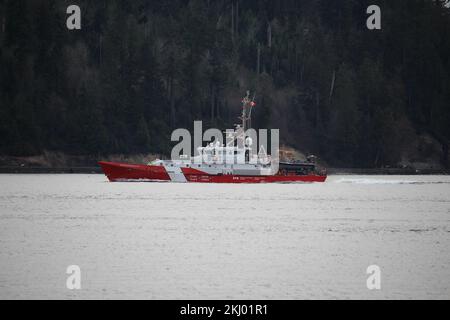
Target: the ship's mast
pixel 247 106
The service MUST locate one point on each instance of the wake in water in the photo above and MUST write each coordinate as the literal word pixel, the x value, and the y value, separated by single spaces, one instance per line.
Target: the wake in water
pixel 369 180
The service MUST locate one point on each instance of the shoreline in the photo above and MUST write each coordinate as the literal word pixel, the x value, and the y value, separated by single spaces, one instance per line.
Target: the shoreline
pixel 331 171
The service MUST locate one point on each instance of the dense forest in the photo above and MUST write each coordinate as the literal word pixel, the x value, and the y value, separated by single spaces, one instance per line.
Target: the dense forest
pixel 139 69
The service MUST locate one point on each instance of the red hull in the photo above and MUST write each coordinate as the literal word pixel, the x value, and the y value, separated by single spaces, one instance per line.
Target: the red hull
pixel 131 172
pixel 121 171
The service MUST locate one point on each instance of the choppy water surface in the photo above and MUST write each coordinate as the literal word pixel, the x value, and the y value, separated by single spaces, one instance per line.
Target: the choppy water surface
pixel 198 241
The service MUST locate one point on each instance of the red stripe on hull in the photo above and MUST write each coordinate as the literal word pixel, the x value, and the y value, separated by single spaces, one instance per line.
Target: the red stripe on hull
pixel 194 175
pixel 122 171
pixel 254 179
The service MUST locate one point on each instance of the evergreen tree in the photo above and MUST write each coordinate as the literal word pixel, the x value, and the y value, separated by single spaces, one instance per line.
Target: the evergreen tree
pixel 137 70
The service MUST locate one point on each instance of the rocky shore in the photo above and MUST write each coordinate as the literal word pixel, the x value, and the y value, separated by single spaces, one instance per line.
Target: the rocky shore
pixel 50 162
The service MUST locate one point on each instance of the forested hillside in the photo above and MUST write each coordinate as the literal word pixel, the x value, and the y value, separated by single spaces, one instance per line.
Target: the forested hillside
pixel 139 69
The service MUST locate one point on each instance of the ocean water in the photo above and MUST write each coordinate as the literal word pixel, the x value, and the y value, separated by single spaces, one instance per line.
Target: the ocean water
pixel 218 241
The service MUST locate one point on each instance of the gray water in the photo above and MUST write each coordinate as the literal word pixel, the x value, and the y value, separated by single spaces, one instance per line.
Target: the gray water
pixel 213 241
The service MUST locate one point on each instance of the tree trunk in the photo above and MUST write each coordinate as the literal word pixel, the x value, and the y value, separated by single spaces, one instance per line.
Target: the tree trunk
pixel 232 22
pixel 377 156
pixel 100 45
pixel 269 35
pixel 333 79
pixel 218 103
pixel 296 63
pixel 236 23
pixel 317 115
pixel 213 98
pixel 219 21
pixel 171 101
pixel 258 59
pixel 445 155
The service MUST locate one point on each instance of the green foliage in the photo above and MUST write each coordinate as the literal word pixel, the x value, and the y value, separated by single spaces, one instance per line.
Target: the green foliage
pixel 137 70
